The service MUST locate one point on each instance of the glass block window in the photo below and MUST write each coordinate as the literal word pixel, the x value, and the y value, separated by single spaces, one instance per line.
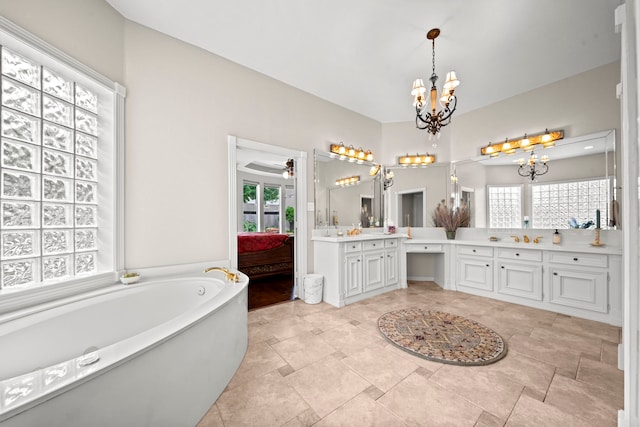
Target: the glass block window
pixel 505 206
pixel 51 178
pixel 554 204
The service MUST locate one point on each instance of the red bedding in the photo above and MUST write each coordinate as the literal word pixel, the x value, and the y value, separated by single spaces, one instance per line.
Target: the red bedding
pixel 259 241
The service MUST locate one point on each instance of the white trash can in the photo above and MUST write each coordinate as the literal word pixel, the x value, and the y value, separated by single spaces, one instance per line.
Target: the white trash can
pixel 312 286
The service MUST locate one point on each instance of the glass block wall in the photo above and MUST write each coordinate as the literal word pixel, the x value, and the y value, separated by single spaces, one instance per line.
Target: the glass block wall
pixel 505 206
pixel 553 205
pixel 49 175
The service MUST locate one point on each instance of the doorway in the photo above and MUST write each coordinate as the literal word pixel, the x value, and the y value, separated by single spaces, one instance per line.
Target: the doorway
pixel 412 205
pixel 266 161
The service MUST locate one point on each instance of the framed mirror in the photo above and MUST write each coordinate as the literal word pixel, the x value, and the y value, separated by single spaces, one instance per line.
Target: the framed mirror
pixel 345 193
pixel 580 180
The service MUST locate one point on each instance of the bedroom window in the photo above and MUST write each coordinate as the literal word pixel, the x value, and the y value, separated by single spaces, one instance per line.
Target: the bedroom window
pixel 271 208
pixel 57 167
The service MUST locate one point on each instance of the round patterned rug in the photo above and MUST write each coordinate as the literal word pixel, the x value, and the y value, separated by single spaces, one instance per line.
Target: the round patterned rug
pixel 442 337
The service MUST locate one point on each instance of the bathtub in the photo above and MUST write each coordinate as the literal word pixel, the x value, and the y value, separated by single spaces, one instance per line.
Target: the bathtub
pixel 155 353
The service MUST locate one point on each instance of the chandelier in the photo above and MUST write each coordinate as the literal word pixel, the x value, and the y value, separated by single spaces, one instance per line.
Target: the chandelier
pixel 534 167
pixel 426 116
pixel 288 170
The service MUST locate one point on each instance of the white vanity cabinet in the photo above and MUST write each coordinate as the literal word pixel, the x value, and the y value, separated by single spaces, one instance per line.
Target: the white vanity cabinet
pixel 579 280
pixel 474 267
pixel 356 268
pixel 519 272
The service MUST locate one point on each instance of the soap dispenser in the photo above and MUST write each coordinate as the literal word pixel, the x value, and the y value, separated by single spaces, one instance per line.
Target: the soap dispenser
pixel 556 237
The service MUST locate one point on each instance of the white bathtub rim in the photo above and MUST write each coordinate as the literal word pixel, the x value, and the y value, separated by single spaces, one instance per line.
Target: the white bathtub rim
pixel 134 346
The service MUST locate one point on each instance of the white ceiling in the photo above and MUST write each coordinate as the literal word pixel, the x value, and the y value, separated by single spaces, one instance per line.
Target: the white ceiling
pixel 365 54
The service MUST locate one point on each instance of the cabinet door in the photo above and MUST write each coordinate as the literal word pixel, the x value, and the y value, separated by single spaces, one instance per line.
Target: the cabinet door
pixel 391 267
pixel 373 270
pixel 475 273
pixel 584 289
pixel 352 275
pixel 522 280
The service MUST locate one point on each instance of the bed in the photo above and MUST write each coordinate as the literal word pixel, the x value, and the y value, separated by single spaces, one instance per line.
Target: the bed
pixel 263 254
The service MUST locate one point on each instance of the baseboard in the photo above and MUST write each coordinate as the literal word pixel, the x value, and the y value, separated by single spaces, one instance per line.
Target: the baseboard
pixel 621 356
pixel 421 278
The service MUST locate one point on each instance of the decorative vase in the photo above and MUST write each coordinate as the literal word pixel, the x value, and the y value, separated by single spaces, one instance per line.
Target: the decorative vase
pixel 451 234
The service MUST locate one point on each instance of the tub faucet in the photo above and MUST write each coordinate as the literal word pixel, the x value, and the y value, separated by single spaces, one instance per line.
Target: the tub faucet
pixel 233 277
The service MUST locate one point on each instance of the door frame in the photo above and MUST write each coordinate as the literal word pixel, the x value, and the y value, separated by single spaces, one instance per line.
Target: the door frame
pixel 300 223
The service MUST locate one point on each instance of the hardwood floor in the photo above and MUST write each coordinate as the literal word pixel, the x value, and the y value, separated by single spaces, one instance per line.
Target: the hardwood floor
pixel 270 290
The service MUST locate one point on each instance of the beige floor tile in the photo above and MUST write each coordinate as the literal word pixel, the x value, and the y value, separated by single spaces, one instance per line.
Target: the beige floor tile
pixel 530 372
pixel 287 327
pixel 304 419
pixel 550 353
pixel 609 353
pixel 265 401
pixel 586 401
pixel 420 402
pixel 488 389
pixel 488 420
pixel 351 339
pixel 361 411
pixel 303 349
pixel 411 358
pixel 581 343
pixel 327 319
pixel 602 375
pixel 380 367
pixel 259 359
pixel 212 418
pixel 530 412
pixel 326 385
pixel 589 328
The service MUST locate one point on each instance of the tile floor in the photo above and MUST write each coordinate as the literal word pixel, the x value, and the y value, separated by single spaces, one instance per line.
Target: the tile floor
pixel 319 365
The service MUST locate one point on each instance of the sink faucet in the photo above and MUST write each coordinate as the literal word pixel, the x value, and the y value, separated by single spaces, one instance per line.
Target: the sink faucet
pixel 525 238
pixel 233 277
pixel 516 239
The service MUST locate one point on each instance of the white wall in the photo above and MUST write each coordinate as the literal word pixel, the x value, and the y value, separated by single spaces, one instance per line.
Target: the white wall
pixel 182 102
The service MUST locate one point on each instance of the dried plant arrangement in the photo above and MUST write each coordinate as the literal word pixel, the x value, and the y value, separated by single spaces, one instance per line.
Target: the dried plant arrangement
pixel 450 218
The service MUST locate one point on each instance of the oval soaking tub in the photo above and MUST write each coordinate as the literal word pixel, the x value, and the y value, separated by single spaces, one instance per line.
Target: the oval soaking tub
pixel 158 353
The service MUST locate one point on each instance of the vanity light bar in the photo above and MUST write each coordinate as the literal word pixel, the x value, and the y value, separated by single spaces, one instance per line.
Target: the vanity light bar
pixel 350 180
pixel 350 153
pixel 527 143
pixel 417 160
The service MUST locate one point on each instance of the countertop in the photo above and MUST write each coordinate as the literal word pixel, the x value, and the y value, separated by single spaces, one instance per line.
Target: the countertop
pixel 577 246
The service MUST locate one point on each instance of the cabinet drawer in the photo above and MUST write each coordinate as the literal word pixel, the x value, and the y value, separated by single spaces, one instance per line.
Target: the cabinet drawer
pixel 421 248
pixel 519 254
pixel 368 245
pixel 475 250
pixel 580 259
pixel 352 247
pixel 391 243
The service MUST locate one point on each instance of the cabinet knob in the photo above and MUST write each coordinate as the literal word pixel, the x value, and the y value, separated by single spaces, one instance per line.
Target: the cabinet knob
pixel 555 274
pixel 381 257
pixel 353 247
pixel 517 254
pixel 374 244
pixel 488 265
pixel 502 266
pixel 358 259
pixel 426 247
pixel 575 259
pixel 474 250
